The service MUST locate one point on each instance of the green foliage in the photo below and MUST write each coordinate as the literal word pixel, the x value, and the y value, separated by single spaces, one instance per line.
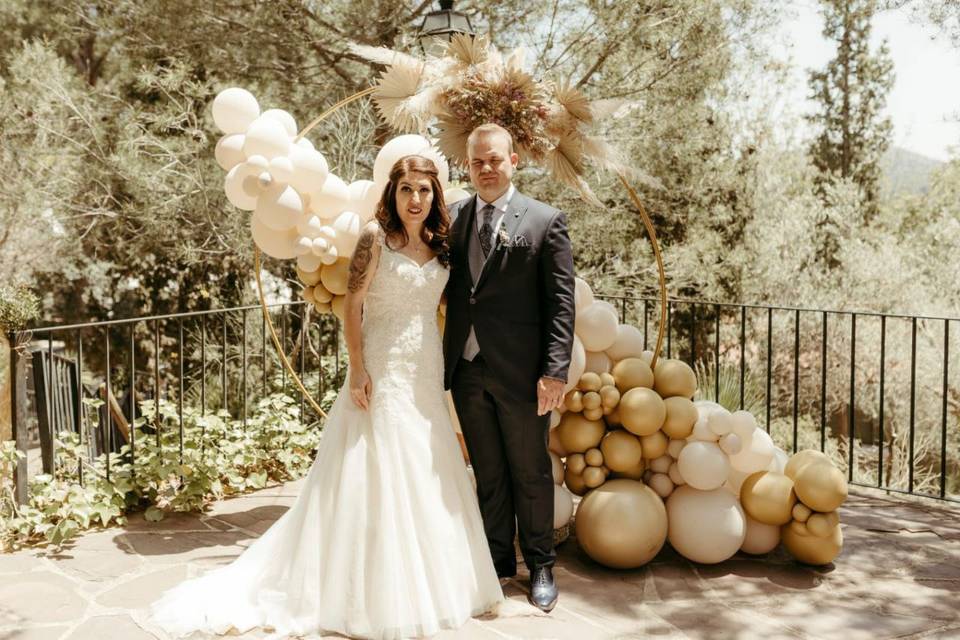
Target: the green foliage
pixel 220 457
pixel 729 397
pixel 18 306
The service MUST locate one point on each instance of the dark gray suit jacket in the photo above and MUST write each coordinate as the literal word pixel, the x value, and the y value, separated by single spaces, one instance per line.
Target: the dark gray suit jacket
pixel 522 305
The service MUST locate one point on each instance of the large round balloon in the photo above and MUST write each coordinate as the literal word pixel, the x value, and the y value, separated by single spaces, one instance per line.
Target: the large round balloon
pixel 234 109
pixel 277 244
pixel 562 506
pixel 266 137
pixel 821 486
pixel 334 276
pixel 364 198
pixel 407 145
pixel 642 411
pixel 233 187
pixel 332 199
pixel 229 151
pixel 768 497
pixel 577 433
pixel 755 454
pixel 705 526
pixel 703 465
pixel 761 538
pixel 582 295
pixel 284 118
pixel 310 170
pixel 279 209
pixel 597 327
pixel 674 378
pixel 621 524
pixel 628 343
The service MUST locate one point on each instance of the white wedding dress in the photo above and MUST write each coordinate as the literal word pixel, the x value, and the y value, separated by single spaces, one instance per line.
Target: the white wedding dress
pixel 386 539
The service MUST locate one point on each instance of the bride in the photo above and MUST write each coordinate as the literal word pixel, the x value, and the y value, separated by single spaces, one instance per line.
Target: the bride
pixel 385 540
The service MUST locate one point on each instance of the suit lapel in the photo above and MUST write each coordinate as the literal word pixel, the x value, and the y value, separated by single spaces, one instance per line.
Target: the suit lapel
pixel 516 210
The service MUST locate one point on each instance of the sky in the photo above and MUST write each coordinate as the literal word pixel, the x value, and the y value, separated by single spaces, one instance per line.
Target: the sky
pixel 926 93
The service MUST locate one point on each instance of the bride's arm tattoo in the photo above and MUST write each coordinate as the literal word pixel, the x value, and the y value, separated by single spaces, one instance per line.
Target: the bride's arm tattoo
pixel 361 261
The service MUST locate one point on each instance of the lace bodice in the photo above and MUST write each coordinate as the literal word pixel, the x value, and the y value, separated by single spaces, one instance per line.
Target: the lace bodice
pixel 401 337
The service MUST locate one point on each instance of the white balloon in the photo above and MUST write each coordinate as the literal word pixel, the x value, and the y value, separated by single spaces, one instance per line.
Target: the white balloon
pixel 705 526
pixel 735 481
pixel 266 137
pixel 557 468
pixel 309 262
pixel 284 118
pixel 309 225
pixel 597 327
pixel 562 506
pixel 743 424
pixel 279 208
pixel 582 295
pixel 347 226
pixel 760 538
pixel 456 194
pixel 701 429
pixel 627 344
pixel 755 454
pixel 332 199
pixel 578 362
pixel 281 169
pixel 278 244
pixel 310 170
pixel 703 465
pixel 304 143
pixel 304 246
pixel 364 198
pixel 393 150
pixel 234 109
pixel 779 461
pixel 320 247
pixel 597 362
pixel 233 187
pixel 608 306
pixel 330 256
pixel 229 151
pixel 731 444
pixel 720 423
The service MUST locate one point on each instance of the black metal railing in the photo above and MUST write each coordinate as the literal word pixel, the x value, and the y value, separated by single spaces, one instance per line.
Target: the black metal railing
pixel 873 391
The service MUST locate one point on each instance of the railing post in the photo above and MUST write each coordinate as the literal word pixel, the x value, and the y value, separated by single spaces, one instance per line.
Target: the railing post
pixel 18 415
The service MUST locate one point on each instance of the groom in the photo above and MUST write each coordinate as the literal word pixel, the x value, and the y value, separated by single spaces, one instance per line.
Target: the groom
pixel 509 333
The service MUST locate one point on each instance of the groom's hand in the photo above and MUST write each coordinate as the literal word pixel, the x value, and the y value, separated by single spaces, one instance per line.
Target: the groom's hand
pixel 549 394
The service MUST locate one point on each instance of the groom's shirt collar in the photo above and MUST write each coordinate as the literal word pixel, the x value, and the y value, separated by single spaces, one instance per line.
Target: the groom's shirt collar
pixel 500 205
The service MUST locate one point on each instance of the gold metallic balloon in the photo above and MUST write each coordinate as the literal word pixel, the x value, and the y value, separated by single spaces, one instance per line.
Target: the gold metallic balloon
pixel 630 373
pixel 622 524
pixel 607 380
pixel 555 445
pixel 768 497
pixel 591 400
pixel 338 306
pixel 674 378
pixel 577 433
pixel 654 445
pixel 593 414
pixel 801 512
pixel 309 278
pixel 593 477
pixel 590 381
pixel 811 549
pixel 621 451
pixel 334 276
pixel 642 411
pixel 593 457
pixel 636 473
pixel 681 416
pixel 613 418
pixel 321 293
pixel 574 401
pixel 574 482
pixel 821 486
pixel 609 396
pixel 576 463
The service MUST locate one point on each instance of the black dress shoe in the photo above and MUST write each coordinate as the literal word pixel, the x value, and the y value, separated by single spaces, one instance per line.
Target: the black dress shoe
pixel 543 590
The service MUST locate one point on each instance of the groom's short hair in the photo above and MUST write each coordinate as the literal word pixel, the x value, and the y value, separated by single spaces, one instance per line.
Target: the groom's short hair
pixel 490 128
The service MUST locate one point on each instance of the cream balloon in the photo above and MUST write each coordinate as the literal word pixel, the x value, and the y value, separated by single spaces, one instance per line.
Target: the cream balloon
pixel 266 137
pixel 309 262
pixel 332 199
pixel 755 454
pixel 277 244
pixel 731 444
pixel 284 118
pixel 779 461
pixel 364 199
pixel 309 170
pixel 229 151
pixel 562 505
pixel 455 194
pixel 393 150
pixel 597 362
pixel 705 526
pixel 234 110
pixel 557 468
pixel 703 465
pixel 760 538
pixel 309 226
pixel 627 344
pixel 582 295
pixel 662 484
pixel 279 208
pixel 578 362
pixel 597 327
pixel 233 187
pixel 281 169
pixel 347 226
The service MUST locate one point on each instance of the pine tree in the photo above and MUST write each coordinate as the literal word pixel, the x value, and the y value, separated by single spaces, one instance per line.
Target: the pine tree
pixel 852 133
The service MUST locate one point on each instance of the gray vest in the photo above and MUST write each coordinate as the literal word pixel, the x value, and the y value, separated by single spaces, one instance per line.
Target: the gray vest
pixel 475 257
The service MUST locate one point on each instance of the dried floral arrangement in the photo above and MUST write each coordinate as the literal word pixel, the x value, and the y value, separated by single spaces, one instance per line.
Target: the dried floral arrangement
pixel 471 84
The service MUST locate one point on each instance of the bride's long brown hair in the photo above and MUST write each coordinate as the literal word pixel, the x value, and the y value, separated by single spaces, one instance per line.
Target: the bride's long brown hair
pixel 436 228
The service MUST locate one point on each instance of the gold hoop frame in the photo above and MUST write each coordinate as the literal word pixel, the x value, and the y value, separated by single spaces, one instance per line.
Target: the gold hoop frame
pixel 631 193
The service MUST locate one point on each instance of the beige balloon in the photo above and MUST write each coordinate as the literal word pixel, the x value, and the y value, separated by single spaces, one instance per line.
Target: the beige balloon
pixel 593 477
pixel 681 416
pixel 334 277
pixel 577 433
pixel 768 497
pixel 562 506
pixel 321 293
pixel 338 306
pixel 662 484
pixel 598 362
pixel 654 445
pixel 628 343
pixel 622 451
pixel 593 457
pixel 674 378
pixel 557 465
pixel 323 307
pixel 821 486
pixel 801 512
pixel 761 538
pixel 622 524
pixel 642 411
pixel 801 459
pixel 705 526
pixel 811 549
pixel 631 373
pixel 576 463
pixel 309 278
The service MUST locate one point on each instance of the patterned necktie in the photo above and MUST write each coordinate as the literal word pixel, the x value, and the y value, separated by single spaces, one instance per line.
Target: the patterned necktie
pixel 486 230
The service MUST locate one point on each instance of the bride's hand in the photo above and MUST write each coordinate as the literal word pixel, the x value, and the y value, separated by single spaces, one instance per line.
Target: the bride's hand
pixel 360 388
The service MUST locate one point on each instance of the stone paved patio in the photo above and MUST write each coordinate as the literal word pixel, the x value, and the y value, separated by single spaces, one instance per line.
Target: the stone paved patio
pixel 898 577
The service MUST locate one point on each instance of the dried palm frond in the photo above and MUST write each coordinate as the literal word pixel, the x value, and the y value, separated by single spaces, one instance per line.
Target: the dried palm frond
pixel 605 156
pixel 383 55
pixel 399 97
pixel 565 163
pixel 516 58
pixel 469 50
pixel 606 107
pixel 452 139
pixel 573 101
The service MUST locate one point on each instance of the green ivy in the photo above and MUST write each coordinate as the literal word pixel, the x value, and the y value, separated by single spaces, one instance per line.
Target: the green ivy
pixel 216 457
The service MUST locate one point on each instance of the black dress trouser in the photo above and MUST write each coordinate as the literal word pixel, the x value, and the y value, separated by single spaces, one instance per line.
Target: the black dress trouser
pixel 507 443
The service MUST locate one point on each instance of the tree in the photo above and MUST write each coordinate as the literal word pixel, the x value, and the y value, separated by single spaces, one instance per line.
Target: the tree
pixel 852 133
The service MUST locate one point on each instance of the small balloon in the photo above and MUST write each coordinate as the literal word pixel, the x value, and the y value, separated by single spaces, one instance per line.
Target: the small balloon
pixel 234 110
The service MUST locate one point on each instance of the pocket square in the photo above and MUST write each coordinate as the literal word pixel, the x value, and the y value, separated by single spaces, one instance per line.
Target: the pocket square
pixel 519 241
